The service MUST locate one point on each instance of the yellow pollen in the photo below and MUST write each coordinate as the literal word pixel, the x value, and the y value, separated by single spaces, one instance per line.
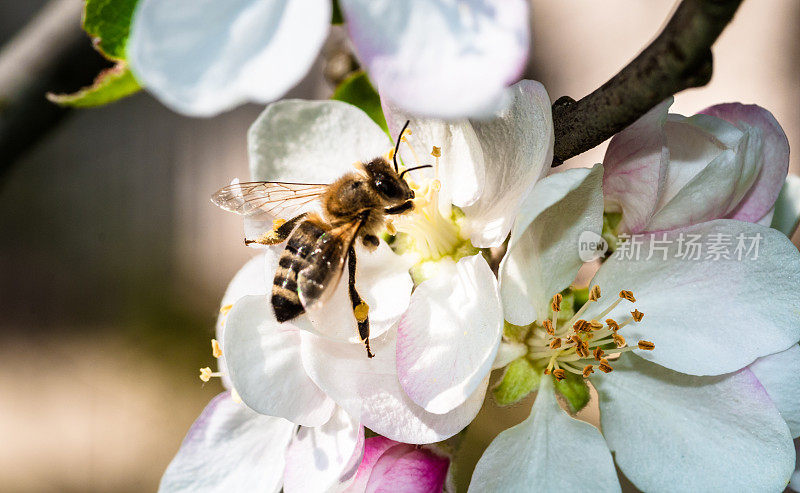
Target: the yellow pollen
pixel 598 353
pixel 594 294
pixel 548 327
pixel 595 325
pixel 555 303
pixel 618 340
pixel 216 351
pixel 225 309
pixel 277 223
pixel 637 315
pixel 627 295
pixel 581 326
pixel 587 370
pixel 604 366
pixel 560 374
pixel 646 345
pixel 555 343
pixel 390 227
pixel 612 324
pixel 361 311
pixel 436 151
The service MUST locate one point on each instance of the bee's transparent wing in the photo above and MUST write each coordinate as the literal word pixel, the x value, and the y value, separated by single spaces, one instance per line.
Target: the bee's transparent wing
pixel 318 280
pixel 261 202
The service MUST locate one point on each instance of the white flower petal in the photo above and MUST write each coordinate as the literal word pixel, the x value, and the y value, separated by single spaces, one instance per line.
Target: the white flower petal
pixel 775 154
pixel 324 458
pixel 675 432
pixel 787 207
pixel 712 165
pixel 517 149
pixel 778 373
pixel 201 57
pixel 250 280
pixel 382 280
pixel 312 141
pixel 263 358
pixel 707 316
pixel 635 164
pixel 449 60
pixel 448 338
pixel 794 484
pixel 368 389
pixel 543 253
pixel 230 448
pixel 540 454
pixel 461 168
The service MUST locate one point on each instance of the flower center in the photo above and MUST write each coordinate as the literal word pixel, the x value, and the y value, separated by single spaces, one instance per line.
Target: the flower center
pixel 430 231
pixel 579 345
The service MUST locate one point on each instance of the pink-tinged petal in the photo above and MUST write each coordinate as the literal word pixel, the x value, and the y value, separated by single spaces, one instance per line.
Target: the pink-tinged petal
pixel 369 390
pixel 230 448
pixel 448 337
pixel 382 280
pixel 250 280
pixel 544 254
pixel 635 168
pixel 712 165
pixel 263 358
pixel 775 157
pixel 461 168
pixel 707 316
pixel 408 469
pixel 549 451
pixel 448 60
pixel 202 57
pixel 374 447
pixel 517 149
pixel 676 432
pixel 326 457
pixel 779 373
pixel 787 207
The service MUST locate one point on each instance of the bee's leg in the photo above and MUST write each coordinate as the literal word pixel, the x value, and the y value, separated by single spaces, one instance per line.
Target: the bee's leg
pixel 360 309
pixel 371 242
pixel 399 209
pixel 280 231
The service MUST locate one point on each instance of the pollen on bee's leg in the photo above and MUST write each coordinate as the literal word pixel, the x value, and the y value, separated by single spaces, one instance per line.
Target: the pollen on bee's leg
pixel 646 345
pixel 216 351
pixel 361 311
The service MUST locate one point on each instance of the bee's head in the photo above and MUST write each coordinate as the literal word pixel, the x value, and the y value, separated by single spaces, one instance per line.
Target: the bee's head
pixel 387 182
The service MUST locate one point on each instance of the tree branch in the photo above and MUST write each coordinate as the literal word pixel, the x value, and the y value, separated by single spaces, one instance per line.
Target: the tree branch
pixel 679 58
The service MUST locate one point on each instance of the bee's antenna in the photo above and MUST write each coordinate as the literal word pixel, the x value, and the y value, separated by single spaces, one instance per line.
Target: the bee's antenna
pixel 415 167
pixel 397 146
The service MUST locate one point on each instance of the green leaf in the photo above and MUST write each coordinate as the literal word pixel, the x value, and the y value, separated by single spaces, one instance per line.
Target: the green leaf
pixel 112 84
pixel 515 333
pixel 109 22
pixel 574 389
pixel 358 91
pixel 520 379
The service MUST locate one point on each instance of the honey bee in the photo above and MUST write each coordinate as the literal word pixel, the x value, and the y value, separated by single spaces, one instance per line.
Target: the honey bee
pixel 318 244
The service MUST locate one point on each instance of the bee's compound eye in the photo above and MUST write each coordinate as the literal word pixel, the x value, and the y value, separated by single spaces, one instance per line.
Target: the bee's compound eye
pixel 388 188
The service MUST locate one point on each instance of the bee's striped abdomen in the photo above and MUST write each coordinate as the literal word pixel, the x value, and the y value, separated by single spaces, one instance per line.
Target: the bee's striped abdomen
pixel 294 258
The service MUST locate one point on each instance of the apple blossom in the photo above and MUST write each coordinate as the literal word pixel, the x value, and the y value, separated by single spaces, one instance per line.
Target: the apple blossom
pixel 666 170
pixel 442 57
pixel 681 412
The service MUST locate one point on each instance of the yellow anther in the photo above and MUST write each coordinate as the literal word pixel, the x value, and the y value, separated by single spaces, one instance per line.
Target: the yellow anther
pixel 627 295
pixel 604 366
pixel 587 370
pixel 206 374
pixel 560 374
pixel 555 303
pixel 612 324
pixel 548 327
pixel 595 325
pixel 390 227
pixel 436 151
pixel 225 309
pixel 646 345
pixel 581 326
pixel 436 185
pixel 598 353
pixel 361 311
pixel 637 315
pixel 216 351
pixel 594 294
pixel 555 343
pixel 618 340
pixel 235 396
pixel 547 371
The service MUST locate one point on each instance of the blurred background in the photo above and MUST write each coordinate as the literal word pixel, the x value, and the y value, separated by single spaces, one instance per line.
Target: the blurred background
pixel 113 260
